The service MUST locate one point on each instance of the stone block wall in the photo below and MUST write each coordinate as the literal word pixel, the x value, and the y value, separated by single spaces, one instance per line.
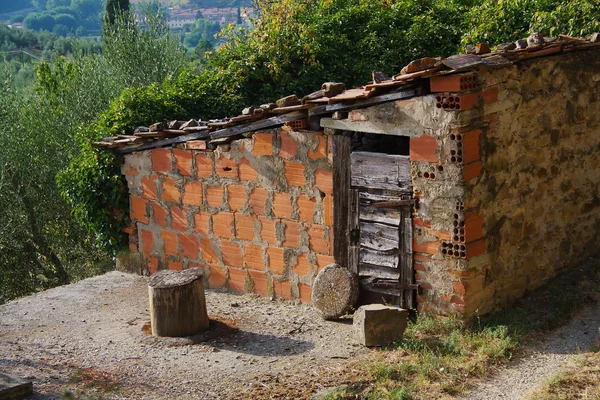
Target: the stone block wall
pixel 255 215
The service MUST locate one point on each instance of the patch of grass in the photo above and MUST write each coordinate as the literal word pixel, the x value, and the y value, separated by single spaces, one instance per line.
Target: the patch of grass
pixel 97 380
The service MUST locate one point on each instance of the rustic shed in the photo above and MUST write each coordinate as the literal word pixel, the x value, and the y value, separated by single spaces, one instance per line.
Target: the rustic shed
pixel 453 187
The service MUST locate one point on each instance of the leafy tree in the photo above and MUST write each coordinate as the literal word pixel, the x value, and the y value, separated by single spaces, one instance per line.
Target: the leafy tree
pixel 86 8
pixel 39 21
pixel 114 8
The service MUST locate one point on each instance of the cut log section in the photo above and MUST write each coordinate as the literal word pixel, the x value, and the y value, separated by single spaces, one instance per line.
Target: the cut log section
pixel 335 291
pixel 177 303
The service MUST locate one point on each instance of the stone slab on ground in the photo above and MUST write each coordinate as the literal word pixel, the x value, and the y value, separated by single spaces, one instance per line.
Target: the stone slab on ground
pixel 379 325
pixel 12 387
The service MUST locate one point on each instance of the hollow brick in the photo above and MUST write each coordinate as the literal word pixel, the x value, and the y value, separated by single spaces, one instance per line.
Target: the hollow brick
pixel 472 170
pixel 305 292
pixel 204 165
pixel 244 227
pixel 260 282
pixel 208 252
pixel 253 256
pixel 267 231
pixel 152 265
pixel 475 249
pixel 321 151
pixel 216 277
pixel 289 146
pixel 231 254
pixel 223 225
pixel 170 240
pixel 473 226
pixel 459 288
pixel 138 209
pixel 294 173
pixel 318 243
pixel 171 193
pixel 282 205
pixel 258 198
pixel 282 289
pixel 159 215
pixel 426 247
pixel 147 241
pixel 192 194
pixel 303 266
pixel 183 161
pixel 236 197
pixel 330 149
pixel 175 265
pixel 247 173
pixel 262 144
pixel 202 223
pixel 227 168
pixel 276 260
pixel 161 160
pixel 324 180
pixel 470 148
pixel 490 95
pixel 292 234
pixel 214 196
pixel 323 261
pixel 306 208
pixel 424 148
pixel 179 219
pixel 237 279
pixel 189 245
pixel 328 210
pixel 149 187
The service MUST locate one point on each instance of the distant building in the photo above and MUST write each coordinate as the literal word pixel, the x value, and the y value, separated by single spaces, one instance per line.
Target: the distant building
pixel 16 25
pixel 178 21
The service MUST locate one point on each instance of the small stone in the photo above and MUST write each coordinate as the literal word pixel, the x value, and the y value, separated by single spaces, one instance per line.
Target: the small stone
pixel 141 129
pixel 379 76
pixel 157 127
pixel 189 124
pixel 535 39
pixel 379 325
pixel 595 37
pixel 173 124
pixel 521 44
pixel 288 101
pixel 506 46
pixel 268 106
pixel 482 48
pixel 419 65
pixel 335 291
pixel 248 110
pixel 470 49
pixel 331 89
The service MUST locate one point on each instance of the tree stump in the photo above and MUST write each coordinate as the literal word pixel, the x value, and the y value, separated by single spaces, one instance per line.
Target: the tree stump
pixel 335 291
pixel 177 303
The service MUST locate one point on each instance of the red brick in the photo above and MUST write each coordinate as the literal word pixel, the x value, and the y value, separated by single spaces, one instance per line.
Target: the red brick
pixel 330 149
pixel 202 222
pixel 129 230
pixel 227 168
pixel 419 267
pixel 132 171
pixel 214 196
pixel 204 165
pixel 328 210
pixel 475 249
pixel 450 83
pixel 216 277
pixel 469 101
pixel 258 197
pixel 138 209
pixel 318 243
pixel 253 256
pixel 294 173
pixel 267 231
pixel 419 222
pixel 289 146
pixel 237 279
pixel 183 161
pixel 160 215
pixel 306 207
pixel 195 145
pixel 471 171
pixel 276 260
pixel 282 205
pixel 192 194
pixel 324 180
pixel 175 265
pixel 292 234
pixel 424 148
pixel 133 247
pixel 170 240
pixel 170 192
pixel 470 147
pixel 179 219
pixel 282 289
pixel 208 252
pixel 305 293
pixel 231 254
pixel 149 187
pixel 323 261
pixel 161 160
pixel 426 247
pixel 244 227
pixel 236 197
pixel 321 151
pixel 263 144
pixel 473 226
pixel 260 282
pixel 189 245
pixel 459 288
pixel 247 173
pixel 303 266
pixel 223 225
pixel 490 95
pixel 152 265
pixel 147 240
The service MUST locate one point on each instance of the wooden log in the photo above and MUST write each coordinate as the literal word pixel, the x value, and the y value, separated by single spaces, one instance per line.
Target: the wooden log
pixel 335 291
pixel 177 303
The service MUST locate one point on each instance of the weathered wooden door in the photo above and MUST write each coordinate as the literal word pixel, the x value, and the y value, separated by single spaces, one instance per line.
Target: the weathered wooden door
pixel 381 225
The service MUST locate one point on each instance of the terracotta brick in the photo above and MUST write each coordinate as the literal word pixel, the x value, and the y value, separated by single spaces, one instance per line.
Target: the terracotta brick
pixel 247 173
pixel 330 149
pixel 440 235
pixel 294 173
pixel 318 242
pixel 258 197
pixel 323 261
pixel 237 279
pixel 276 260
pixel 161 160
pixel 192 194
pixel 175 265
pixel 263 144
pixel 419 267
pixel 459 288
pixel 132 171
pixel 152 265
pixel 303 266
pixel 160 215
pixel 426 247
pixel 216 277
pixel 208 252
pixel 196 145
pixel 204 165
pixel 471 171
pixel 183 161
pixel 282 289
pixel 189 245
pixel 419 222
pixel 446 83
pixel 260 282
pixel 170 240
pixel 469 101
pixel 475 249
pixel 179 219
pixel 138 209
pixel 470 147
pixel 214 196
pixel 289 146
pixel 282 205
pixel 253 256
pixel 306 208
pixel 244 227
pixel 223 225
pixel 490 95
pixel 324 180
pixel 321 151
pixel 149 187
pixel 236 197
pixel 202 222
pixel 267 231
pixel 424 148
pixel 171 193
pixel 328 210
pixel 473 226
pixel 292 234
pixel 305 293
pixel 227 168
pixel 147 240
pixel 129 230
pixel 231 254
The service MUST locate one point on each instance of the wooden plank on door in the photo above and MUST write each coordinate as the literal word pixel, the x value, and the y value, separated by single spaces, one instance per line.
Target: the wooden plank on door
pixel 406 259
pixel 380 171
pixel 390 259
pixel 353 229
pixel 341 195
pixel 380 237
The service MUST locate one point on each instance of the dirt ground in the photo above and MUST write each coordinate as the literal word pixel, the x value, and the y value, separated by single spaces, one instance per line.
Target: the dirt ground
pixel 91 338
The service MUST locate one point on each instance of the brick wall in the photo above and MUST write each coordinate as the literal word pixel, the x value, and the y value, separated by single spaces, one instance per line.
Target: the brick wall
pixel 255 215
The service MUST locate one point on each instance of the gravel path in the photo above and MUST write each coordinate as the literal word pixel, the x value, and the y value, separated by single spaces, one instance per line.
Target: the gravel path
pixel 89 337
pixel 542 360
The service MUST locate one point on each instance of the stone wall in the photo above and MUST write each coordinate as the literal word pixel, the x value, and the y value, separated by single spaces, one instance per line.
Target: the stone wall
pixel 255 215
